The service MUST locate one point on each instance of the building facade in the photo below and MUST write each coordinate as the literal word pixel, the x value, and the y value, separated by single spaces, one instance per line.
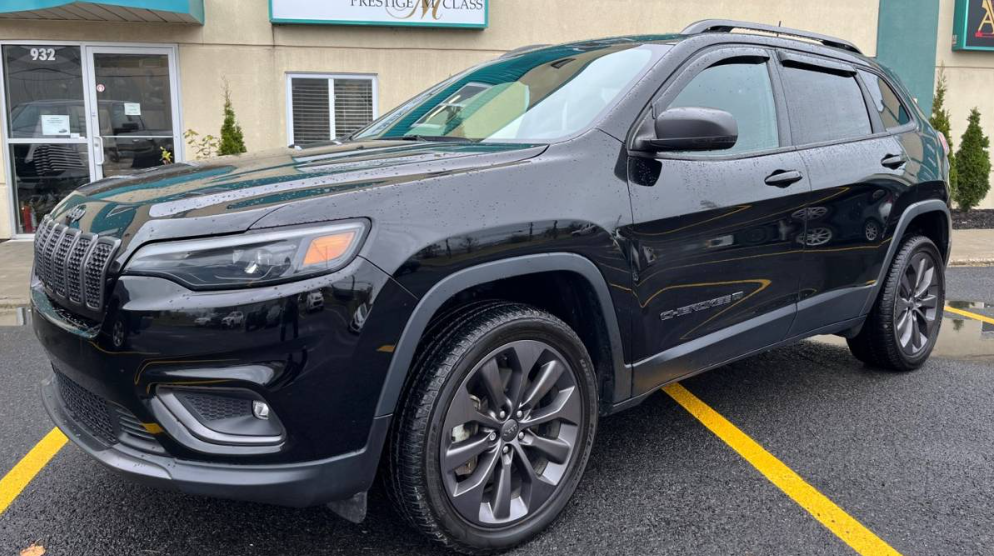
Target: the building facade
pixel 97 88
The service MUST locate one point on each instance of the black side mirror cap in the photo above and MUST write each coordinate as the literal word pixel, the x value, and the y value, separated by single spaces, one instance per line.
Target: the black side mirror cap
pixel 693 129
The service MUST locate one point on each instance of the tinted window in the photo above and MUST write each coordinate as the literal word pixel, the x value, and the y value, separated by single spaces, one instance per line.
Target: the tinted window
pixel 825 106
pixel 744 90
pixel 885 101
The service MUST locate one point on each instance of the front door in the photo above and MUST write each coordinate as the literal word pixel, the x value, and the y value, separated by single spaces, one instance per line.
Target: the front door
pixel 715 238
pixel 132 108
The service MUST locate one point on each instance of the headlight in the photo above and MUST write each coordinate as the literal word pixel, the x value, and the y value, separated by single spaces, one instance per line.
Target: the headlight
pixel 251 259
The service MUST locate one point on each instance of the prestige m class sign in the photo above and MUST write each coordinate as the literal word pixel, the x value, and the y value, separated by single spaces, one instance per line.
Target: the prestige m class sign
pixel 472 14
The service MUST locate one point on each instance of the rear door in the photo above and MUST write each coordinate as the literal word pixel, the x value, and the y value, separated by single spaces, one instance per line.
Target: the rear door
pixel 715 251
pixel 858 172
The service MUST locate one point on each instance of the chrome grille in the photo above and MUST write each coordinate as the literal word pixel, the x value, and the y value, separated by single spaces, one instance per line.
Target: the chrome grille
pixel 72 264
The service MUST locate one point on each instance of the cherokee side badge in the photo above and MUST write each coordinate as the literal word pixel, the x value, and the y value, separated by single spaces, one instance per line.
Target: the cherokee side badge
pixel 702 306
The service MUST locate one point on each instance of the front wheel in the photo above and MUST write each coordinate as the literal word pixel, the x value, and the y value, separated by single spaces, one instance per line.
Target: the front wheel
pixel 901 330
pixel 493 436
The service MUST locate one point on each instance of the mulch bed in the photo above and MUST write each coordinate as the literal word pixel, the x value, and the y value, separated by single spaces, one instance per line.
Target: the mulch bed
pixel 976 219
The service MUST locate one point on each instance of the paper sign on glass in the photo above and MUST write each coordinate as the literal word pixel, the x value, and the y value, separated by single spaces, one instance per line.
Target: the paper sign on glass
pixel 132 109
pixel 55 124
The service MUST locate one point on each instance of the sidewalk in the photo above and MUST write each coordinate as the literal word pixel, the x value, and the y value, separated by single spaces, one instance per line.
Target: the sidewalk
pixel 970 248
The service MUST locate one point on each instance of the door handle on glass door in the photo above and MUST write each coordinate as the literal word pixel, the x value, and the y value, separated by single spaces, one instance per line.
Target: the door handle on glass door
pixel 784 178
pixel 98 150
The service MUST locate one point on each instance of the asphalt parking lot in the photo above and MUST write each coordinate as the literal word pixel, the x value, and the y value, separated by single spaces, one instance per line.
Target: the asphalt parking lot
pixel 908 456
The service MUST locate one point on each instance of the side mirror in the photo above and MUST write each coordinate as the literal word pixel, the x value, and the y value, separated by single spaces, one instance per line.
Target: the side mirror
pixel 694 129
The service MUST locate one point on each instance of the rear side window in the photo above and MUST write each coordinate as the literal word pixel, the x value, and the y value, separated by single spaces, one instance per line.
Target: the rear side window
pixel 885 101
pixel 743 90
pixel 824 106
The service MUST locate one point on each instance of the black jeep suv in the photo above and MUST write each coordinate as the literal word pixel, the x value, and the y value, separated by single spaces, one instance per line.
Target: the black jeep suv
pixel 458 292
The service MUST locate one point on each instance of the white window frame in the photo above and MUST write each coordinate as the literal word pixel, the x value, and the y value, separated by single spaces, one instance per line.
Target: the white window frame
pixel 331 77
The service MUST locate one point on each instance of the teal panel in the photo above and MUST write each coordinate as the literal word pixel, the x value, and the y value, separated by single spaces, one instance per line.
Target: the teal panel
pixel 907 33
pixel 192 8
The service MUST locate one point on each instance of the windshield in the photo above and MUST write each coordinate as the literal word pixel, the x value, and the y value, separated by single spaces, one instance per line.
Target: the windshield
pixel 533 97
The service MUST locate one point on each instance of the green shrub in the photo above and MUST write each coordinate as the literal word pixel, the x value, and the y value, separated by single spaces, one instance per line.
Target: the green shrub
pixel 940 121
pixel 973 162
pixel 232 141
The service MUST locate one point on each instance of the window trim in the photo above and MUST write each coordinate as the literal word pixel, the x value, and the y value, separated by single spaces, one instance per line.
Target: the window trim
pixel 677 81
pixel 330 77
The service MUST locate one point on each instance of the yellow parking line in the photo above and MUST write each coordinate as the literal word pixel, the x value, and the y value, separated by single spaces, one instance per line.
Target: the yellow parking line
pixel 17 478
pixel 834 518
pixel 969 315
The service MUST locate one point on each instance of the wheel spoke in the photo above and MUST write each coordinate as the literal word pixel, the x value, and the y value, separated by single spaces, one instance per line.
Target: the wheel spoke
pixel 917 342
pixel 907 289
pixel 548 374
pixel 490 375
pixel 538 488
pixel 905 329
pixel 919 272
pixel 556 450
pixel 468 495
pixel 566 406
pixel 461 452
pixel 462 410
pixel 903 320
pixel 501 504
pixel 929 301
pixel 925 278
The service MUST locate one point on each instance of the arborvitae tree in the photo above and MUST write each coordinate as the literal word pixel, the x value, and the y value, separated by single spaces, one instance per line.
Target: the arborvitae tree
pixel 232 140
pixel 973 163
pixel 940 121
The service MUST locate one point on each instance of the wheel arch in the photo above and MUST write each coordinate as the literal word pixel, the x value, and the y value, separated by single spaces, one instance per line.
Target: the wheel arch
pixel 930 218
pixel 578 268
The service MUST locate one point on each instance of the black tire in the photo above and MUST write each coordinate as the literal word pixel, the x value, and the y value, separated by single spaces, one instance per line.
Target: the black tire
pixel 459 350
pixel 887 341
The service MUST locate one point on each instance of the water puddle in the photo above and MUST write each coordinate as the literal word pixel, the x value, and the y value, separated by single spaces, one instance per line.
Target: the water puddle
pixel 960 337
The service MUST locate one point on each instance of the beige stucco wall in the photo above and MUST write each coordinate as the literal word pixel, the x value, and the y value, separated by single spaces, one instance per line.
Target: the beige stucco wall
pixel 970 78
pixel 238 43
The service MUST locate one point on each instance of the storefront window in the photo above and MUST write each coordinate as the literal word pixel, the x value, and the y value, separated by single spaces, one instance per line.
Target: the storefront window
pixel 324 107
pixel 44 173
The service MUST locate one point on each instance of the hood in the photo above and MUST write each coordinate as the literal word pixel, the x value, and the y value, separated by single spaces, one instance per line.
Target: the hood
pixel 229 194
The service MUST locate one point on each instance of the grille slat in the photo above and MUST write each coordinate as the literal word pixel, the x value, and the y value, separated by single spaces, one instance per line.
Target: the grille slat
pixel 72 264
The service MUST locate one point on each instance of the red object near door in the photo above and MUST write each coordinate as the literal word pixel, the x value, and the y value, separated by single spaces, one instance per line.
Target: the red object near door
pixel 27 219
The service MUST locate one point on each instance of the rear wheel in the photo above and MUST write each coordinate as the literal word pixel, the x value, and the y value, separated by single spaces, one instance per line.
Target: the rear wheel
pixel 902 328
pixel 496 429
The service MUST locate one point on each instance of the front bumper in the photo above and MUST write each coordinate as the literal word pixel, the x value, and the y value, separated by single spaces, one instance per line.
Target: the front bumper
pixel 297 485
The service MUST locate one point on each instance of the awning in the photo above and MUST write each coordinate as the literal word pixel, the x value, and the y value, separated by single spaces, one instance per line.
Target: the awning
pixel 154 11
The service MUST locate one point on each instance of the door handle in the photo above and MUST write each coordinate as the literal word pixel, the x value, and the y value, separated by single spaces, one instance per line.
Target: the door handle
pixel 98 150
pixel 784 178
pixel 894 161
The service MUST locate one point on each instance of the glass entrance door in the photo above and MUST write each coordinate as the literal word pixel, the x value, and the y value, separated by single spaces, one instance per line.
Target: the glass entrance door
pixel 132 105
pixel 47 135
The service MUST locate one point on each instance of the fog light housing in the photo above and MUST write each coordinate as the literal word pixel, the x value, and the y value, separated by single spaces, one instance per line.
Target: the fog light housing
pixel 218 420
pixel 260 410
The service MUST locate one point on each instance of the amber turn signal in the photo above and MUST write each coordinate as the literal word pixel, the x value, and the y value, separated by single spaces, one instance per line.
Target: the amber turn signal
pixel 328 248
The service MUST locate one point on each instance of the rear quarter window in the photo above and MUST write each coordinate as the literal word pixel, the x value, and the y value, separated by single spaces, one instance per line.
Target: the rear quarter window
pixel 886 102
pixel 824 106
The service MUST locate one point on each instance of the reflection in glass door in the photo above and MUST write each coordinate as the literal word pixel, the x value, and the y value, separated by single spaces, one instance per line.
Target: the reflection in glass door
pixel 46 135
pixel 132 108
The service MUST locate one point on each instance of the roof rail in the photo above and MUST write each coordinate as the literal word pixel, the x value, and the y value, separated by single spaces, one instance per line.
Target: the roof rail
pixel 729 25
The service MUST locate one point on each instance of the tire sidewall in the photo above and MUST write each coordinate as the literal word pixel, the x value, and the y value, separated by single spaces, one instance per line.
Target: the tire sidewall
pixel 526 328
pixel 918 245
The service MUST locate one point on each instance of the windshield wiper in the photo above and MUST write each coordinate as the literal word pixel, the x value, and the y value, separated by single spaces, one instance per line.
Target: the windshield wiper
pixel 432 139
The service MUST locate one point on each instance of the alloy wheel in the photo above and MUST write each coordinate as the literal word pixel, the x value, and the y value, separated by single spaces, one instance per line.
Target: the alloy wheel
pixel 916 311
pixel 510 433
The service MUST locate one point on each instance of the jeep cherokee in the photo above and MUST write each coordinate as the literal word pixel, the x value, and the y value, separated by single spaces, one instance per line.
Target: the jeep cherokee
pixel 462 289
